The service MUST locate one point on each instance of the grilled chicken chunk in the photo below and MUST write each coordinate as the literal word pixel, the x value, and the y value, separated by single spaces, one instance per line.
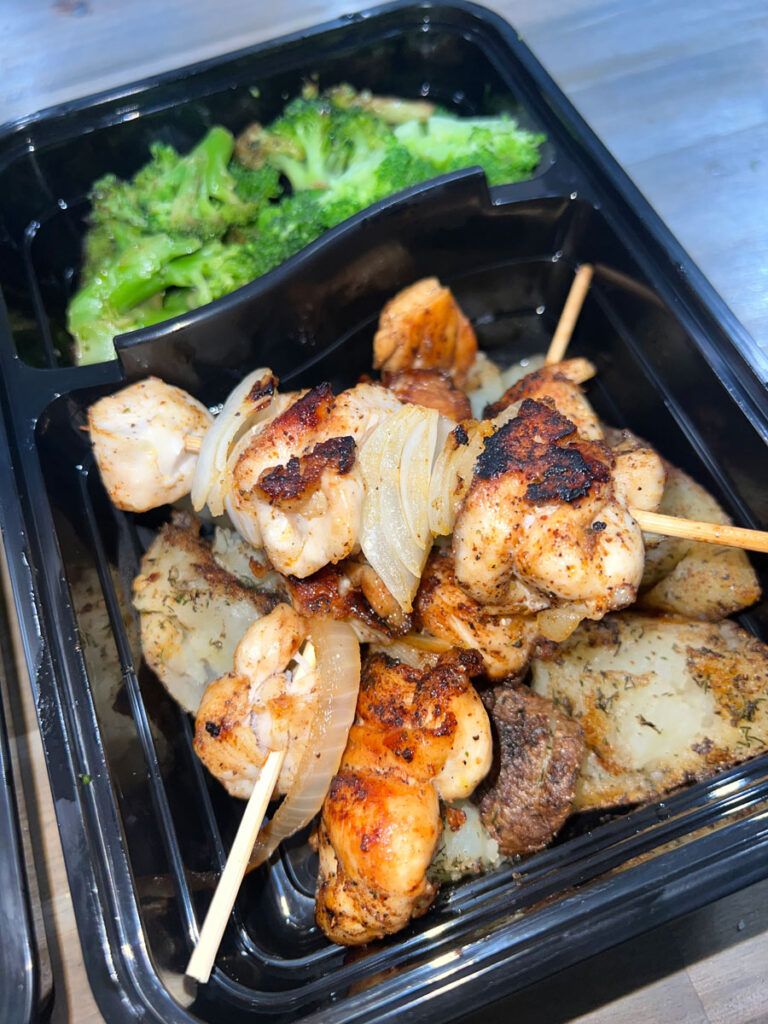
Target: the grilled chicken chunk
pixel 559 383
pixel 418 736
pixel 506 641
pixel 138 437
pixel 265 703
pixel 433 388
pixel 350 591
pixel 423 328
pixel 538 753
pixel 549 508
pixel 298 478
pixel 661 701
pixel 193 613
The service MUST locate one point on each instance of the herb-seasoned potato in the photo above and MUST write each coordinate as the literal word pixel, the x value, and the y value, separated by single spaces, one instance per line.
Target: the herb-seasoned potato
pixel 661 701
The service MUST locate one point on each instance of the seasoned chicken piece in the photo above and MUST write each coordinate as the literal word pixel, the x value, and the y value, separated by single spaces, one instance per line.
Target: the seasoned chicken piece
pixel 298 478
pixel 418 736
pixel 662 702
pixel 423 328
pixel 433 388
pixel 350 591
pixel 193 613
pixel 138 438
pixel 506 641
pixel 559 383
pixel 266 703
pixel 543 508
pixel 538 753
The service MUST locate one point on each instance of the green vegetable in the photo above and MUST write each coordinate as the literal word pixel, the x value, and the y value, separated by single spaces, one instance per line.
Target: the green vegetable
pixel 199 194
pixel 186 230
pixel 505 152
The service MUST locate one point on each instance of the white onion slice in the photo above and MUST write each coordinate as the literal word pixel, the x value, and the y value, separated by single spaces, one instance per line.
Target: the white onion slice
pixel 240 412
pixel 451 479
pixel 415 469
pixel 338 681
pixel 396 463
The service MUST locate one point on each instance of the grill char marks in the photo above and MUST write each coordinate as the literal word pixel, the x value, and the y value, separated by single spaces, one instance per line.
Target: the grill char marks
pixel 328 592
pixel 263 389
pixel 530 386
pixel 300 477
pixel 308 413
pixel 529 445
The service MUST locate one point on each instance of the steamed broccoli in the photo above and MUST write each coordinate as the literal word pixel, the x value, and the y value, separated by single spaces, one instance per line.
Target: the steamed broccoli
pixel 505 152
pixel 314 142
pixel 106 305
pixel 198 194
pixel 367 181
pixel 188 229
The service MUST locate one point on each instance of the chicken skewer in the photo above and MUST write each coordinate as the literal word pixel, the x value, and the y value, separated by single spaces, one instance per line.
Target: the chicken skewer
pixel 137 479
pixel 278 723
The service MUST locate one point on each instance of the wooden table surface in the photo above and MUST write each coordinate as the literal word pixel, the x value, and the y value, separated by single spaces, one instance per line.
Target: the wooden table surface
pixel 679 93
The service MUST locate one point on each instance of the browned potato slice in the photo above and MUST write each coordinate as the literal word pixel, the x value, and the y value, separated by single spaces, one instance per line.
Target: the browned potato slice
pixel 699 581
pixel 661 701
pixel 193 612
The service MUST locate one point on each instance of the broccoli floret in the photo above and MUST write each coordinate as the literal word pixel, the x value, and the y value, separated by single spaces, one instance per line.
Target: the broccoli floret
pixel 104 306
pixel 314 142
pixel 201 193
pixel 367 181
pixel 103 243
pixel 505 152
pixel 298 144
pixel 201 196
pixel 212 271
pixel 285 228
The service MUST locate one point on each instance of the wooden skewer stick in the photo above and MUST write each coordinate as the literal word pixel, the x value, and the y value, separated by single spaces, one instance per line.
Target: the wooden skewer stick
pixel 201 961
pixel 710 533
pixel 570 314
pixel 193 443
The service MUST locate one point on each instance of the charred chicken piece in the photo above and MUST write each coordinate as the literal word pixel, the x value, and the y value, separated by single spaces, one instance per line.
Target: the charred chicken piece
pixel 548 507
pixel 433 388
pixel 538 755
pixel 350 591
pixel 265 703
pixel 560 384
pixel 418 736
pixel 423 328
pixel 296 483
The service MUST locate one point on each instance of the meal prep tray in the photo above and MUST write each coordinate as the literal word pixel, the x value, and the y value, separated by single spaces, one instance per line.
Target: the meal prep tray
pixel 144 829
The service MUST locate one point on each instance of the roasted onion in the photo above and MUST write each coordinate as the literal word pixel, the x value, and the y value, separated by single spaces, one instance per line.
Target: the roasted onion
pixel 397 463
pixel 337 654
pixel 249 403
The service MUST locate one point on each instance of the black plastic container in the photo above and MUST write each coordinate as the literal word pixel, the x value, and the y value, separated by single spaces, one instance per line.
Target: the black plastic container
pixel 22 999
pixel 144 830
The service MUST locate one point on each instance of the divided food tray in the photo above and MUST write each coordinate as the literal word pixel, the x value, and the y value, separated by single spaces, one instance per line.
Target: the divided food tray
pixel 144 829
